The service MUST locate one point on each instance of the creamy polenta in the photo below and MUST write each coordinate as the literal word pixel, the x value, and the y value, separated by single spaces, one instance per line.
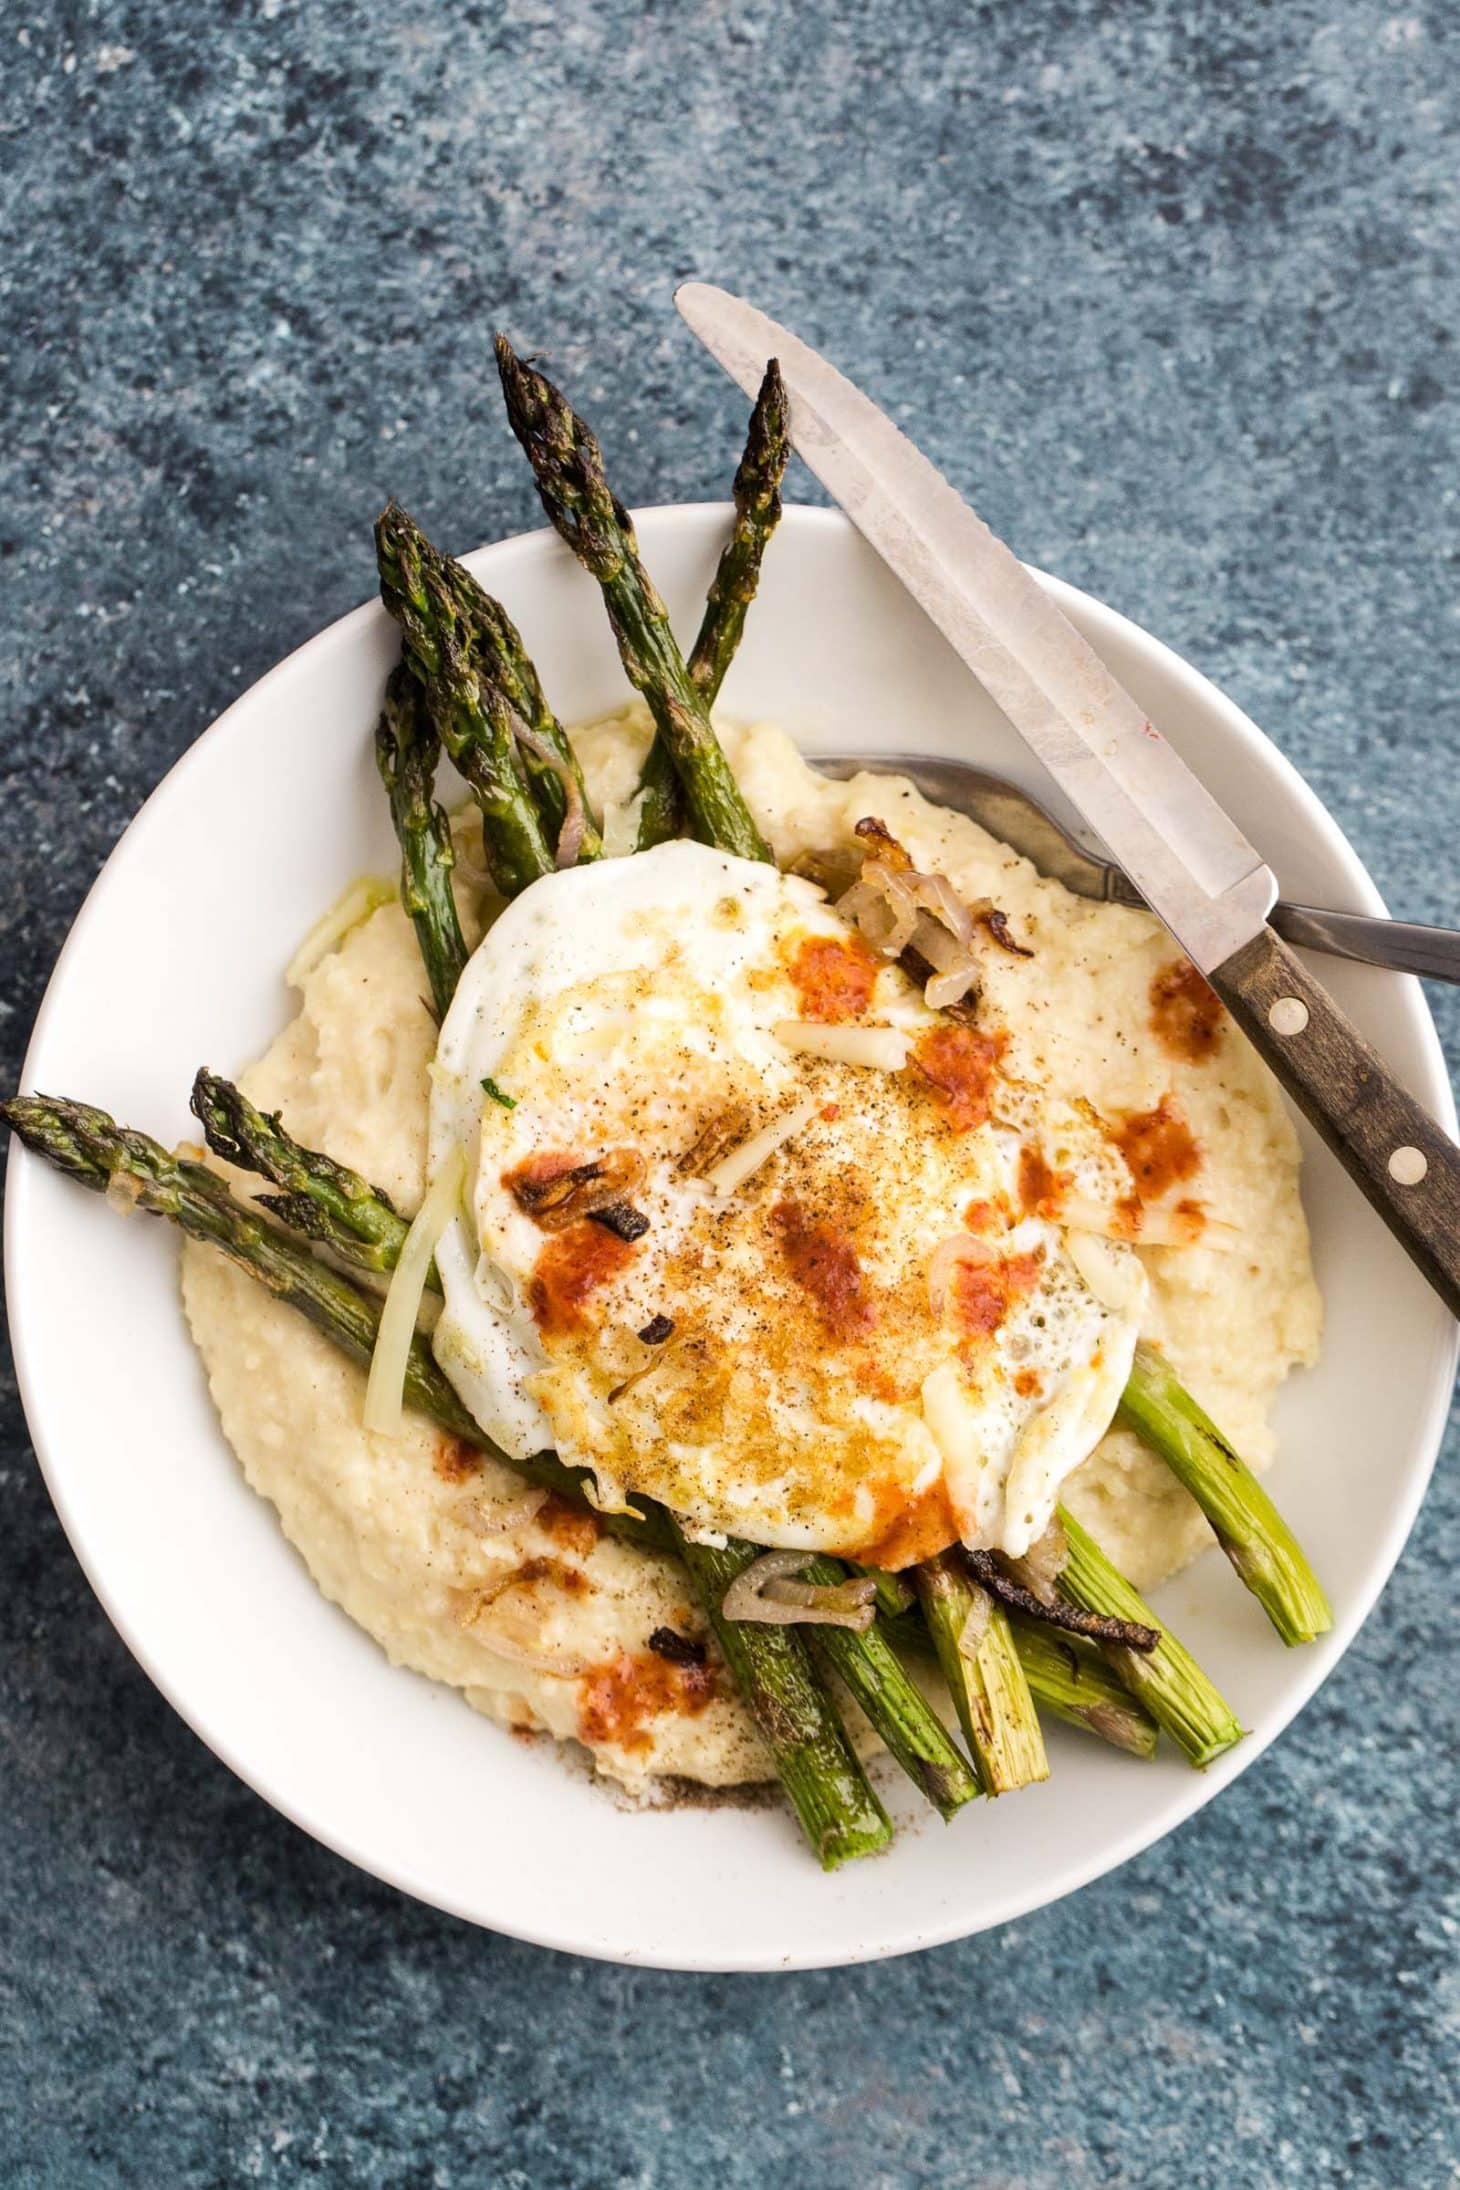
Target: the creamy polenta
pixel 544 1621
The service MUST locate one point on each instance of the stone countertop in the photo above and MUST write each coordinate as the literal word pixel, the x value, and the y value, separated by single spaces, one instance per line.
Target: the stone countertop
pixel 1173 288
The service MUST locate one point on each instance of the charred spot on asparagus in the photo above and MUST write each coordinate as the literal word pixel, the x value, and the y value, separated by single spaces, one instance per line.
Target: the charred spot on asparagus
pixel 676 1649
pixel 1055 1611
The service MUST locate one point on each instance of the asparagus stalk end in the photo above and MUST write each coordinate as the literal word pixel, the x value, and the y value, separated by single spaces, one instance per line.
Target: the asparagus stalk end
pixel 1261 1547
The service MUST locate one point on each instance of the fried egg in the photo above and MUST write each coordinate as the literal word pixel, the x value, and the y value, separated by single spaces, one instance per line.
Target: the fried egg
pixel 817 1303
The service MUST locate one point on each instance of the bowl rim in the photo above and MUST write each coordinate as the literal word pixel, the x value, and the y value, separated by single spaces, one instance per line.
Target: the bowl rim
pixel 1309 1669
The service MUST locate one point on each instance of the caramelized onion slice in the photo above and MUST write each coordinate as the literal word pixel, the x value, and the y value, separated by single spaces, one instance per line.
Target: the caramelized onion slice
pixel 883 906
pixel 1056 1611
pixel 508 1617
pixel 768 1594
pixel 582 1190
pixel 936 895
pixel 495 1520
pixel 900 910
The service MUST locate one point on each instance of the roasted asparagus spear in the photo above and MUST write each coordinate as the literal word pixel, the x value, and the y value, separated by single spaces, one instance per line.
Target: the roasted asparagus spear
pixel 406 751
pixel 985 1677
pixel 1249 1528
pixel 568 465
pixel 470 713
pixel 757 498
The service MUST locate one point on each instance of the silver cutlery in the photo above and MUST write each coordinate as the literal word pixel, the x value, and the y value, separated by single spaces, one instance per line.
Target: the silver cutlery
pixel 1400 946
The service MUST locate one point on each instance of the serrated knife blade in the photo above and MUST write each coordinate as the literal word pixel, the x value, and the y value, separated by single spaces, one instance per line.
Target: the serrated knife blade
pixel 1189 860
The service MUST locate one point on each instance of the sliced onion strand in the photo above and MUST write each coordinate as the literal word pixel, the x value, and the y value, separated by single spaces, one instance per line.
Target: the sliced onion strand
pixel 771 1594
pixel 484 1520
pixel 570 836
pixel 900 910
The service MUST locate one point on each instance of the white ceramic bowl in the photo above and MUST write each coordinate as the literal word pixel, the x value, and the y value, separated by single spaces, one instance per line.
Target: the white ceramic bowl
pixel 175 961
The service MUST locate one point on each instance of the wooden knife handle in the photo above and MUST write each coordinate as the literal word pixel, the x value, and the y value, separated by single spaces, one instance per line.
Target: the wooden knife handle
pixel 1393 1151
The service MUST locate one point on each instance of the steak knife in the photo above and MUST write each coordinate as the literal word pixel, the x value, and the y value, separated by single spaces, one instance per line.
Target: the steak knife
pixel 1187 858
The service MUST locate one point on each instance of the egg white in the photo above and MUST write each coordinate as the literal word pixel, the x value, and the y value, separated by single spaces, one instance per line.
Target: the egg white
pixel 816 1390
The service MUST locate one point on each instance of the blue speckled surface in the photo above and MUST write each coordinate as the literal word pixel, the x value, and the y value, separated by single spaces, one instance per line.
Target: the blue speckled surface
pixel 1174 288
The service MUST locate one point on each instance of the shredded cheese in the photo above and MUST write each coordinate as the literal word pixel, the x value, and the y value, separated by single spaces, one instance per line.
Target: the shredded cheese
pixel 733 1170
pixel 884 1047
pixel 1154 1226
pixel 386 1386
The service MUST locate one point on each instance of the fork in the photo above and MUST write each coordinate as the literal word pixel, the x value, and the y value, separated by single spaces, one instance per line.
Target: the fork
pixel 1402 946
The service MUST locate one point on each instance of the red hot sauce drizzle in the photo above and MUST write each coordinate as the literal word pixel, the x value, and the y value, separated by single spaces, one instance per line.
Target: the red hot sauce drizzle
pixel 960 1065
pixel 825 1264
pixel 982 1293
pixel 908 1534
pixel 834 977
pixel 1160 1149
pixel 1186 1013
pixel 619 1701
pixel 1042 1189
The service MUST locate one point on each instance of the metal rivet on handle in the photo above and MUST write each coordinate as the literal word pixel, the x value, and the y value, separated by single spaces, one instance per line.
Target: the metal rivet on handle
pixel 1288 1015
pixel 1407 1166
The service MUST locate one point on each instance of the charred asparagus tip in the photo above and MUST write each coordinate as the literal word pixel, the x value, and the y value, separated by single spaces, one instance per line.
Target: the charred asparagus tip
pixel 469 711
